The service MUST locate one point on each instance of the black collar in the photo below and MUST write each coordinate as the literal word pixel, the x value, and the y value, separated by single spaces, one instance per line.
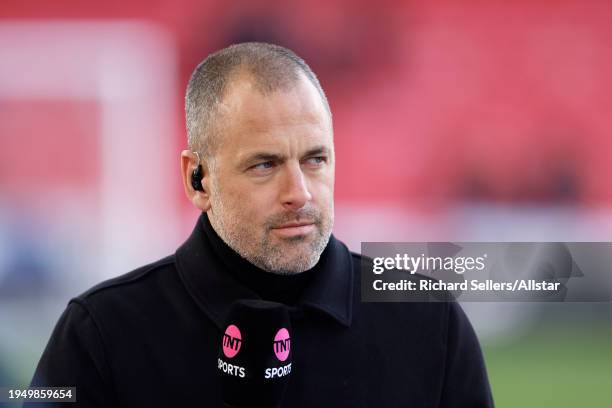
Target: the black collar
pixel 214 288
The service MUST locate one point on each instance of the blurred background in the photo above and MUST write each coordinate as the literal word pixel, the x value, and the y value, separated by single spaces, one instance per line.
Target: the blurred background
pixel 454 121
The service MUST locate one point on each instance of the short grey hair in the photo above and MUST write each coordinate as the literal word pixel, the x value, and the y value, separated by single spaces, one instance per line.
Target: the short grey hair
pixel 270 67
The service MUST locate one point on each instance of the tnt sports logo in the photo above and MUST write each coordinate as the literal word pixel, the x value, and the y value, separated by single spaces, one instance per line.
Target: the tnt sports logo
pixel 282 344
pixel 232 340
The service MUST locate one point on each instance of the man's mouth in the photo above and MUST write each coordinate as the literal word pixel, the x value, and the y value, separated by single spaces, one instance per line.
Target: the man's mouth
pixel 295 224
pixel 292 229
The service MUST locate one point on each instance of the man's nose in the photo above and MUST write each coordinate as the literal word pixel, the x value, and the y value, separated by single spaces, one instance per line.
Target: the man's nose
pixel 295 193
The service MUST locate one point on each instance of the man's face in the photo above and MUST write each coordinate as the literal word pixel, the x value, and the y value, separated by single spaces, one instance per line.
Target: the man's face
pixel 272 180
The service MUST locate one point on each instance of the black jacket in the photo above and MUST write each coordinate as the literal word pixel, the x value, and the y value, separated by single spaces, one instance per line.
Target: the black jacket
pixel 150 337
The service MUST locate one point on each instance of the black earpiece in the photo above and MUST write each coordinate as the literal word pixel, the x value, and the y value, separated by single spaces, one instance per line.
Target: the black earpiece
pixel 196 179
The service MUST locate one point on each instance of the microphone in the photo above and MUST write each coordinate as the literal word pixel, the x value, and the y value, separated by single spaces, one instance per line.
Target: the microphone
pixel 255 357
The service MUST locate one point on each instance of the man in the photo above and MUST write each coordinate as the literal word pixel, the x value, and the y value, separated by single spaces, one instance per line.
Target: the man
pixel 260 167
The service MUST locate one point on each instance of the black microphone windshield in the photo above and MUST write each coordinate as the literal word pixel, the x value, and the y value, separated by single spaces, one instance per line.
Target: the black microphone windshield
pixel 255 354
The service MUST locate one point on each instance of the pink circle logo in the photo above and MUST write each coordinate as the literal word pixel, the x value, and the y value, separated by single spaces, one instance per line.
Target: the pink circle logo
pixel 282 344
pixel 232 340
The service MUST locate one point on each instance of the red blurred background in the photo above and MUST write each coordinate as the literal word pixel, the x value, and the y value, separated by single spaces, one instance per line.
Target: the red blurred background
pixel 433 102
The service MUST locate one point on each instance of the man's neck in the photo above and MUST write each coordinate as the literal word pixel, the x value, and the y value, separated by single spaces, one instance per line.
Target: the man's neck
pixel 269 286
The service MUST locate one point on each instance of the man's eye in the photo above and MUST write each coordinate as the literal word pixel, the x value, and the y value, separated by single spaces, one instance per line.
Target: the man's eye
pixel 262 166
pixel 317 160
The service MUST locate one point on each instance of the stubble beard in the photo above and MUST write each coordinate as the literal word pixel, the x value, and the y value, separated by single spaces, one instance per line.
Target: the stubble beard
pixel 286 256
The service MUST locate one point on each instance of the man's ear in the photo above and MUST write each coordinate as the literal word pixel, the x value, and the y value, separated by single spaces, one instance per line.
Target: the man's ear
pixel 189 164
